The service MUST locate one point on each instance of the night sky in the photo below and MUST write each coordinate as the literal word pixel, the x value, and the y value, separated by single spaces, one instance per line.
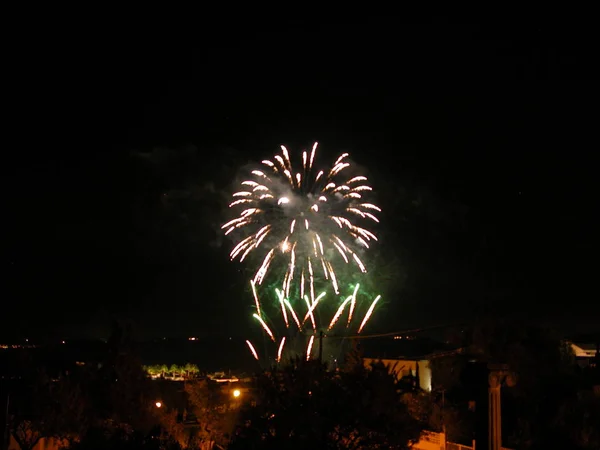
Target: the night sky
pixel 478 138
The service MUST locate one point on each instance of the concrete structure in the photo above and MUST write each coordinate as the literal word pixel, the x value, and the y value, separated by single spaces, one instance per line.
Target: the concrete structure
pixel 407 356
pixel 583 350
pixel 586 349
pixel 431 441
pixel 499 375
pixel 437 441
pixel 587 354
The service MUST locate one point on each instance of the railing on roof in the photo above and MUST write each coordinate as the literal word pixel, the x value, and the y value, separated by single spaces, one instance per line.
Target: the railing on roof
pixel 437 441
pixel 454 446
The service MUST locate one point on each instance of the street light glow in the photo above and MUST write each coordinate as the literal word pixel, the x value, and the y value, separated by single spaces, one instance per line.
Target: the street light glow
pixel 236 393
pixel 158 404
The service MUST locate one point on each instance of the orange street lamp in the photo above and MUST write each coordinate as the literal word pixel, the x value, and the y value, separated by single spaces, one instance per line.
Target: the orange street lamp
pixel 158 404
pixel 237 393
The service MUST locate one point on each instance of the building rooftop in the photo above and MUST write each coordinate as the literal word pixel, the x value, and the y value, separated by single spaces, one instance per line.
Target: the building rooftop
pixel 586 346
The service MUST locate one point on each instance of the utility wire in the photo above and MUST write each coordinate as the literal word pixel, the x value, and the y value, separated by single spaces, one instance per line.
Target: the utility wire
pixel 392 333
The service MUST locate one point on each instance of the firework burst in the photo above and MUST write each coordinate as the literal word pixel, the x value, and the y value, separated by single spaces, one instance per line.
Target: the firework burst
pixel 308 221
pixel 315 219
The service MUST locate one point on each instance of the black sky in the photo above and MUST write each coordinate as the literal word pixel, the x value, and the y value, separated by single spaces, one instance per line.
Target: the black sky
pixel 479 137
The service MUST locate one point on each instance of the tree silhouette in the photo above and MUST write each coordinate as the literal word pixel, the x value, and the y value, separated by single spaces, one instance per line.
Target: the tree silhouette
pixel 172 428
pixel 546 407
pixel 121 393
pixel 69 416
pixel 354 358
pixel 27 433
pixel 48 409
pixel 214 410
pixel 304 406
pixel 31 410
pixel 163 370
pixel 175 370
pixel 191 370
pixel 110 405
pixel 152 370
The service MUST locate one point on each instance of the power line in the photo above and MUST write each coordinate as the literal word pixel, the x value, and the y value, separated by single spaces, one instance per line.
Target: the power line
pixel 393 333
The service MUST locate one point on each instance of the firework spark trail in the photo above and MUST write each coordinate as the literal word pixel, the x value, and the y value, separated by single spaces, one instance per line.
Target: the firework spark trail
pixel 368 314
pixel 280 350
pixel 339 312
pixel 310 312
pixel 252 349
pixel 280 296
pixel 265 326
pixel 293 313
pixel 310 346
pixel 312 307
pixel 312 281
pixel 255 294
pixel 352 304
pixel 302 214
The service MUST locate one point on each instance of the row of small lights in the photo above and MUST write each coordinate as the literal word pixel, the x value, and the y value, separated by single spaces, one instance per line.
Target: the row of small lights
pixel 6 346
